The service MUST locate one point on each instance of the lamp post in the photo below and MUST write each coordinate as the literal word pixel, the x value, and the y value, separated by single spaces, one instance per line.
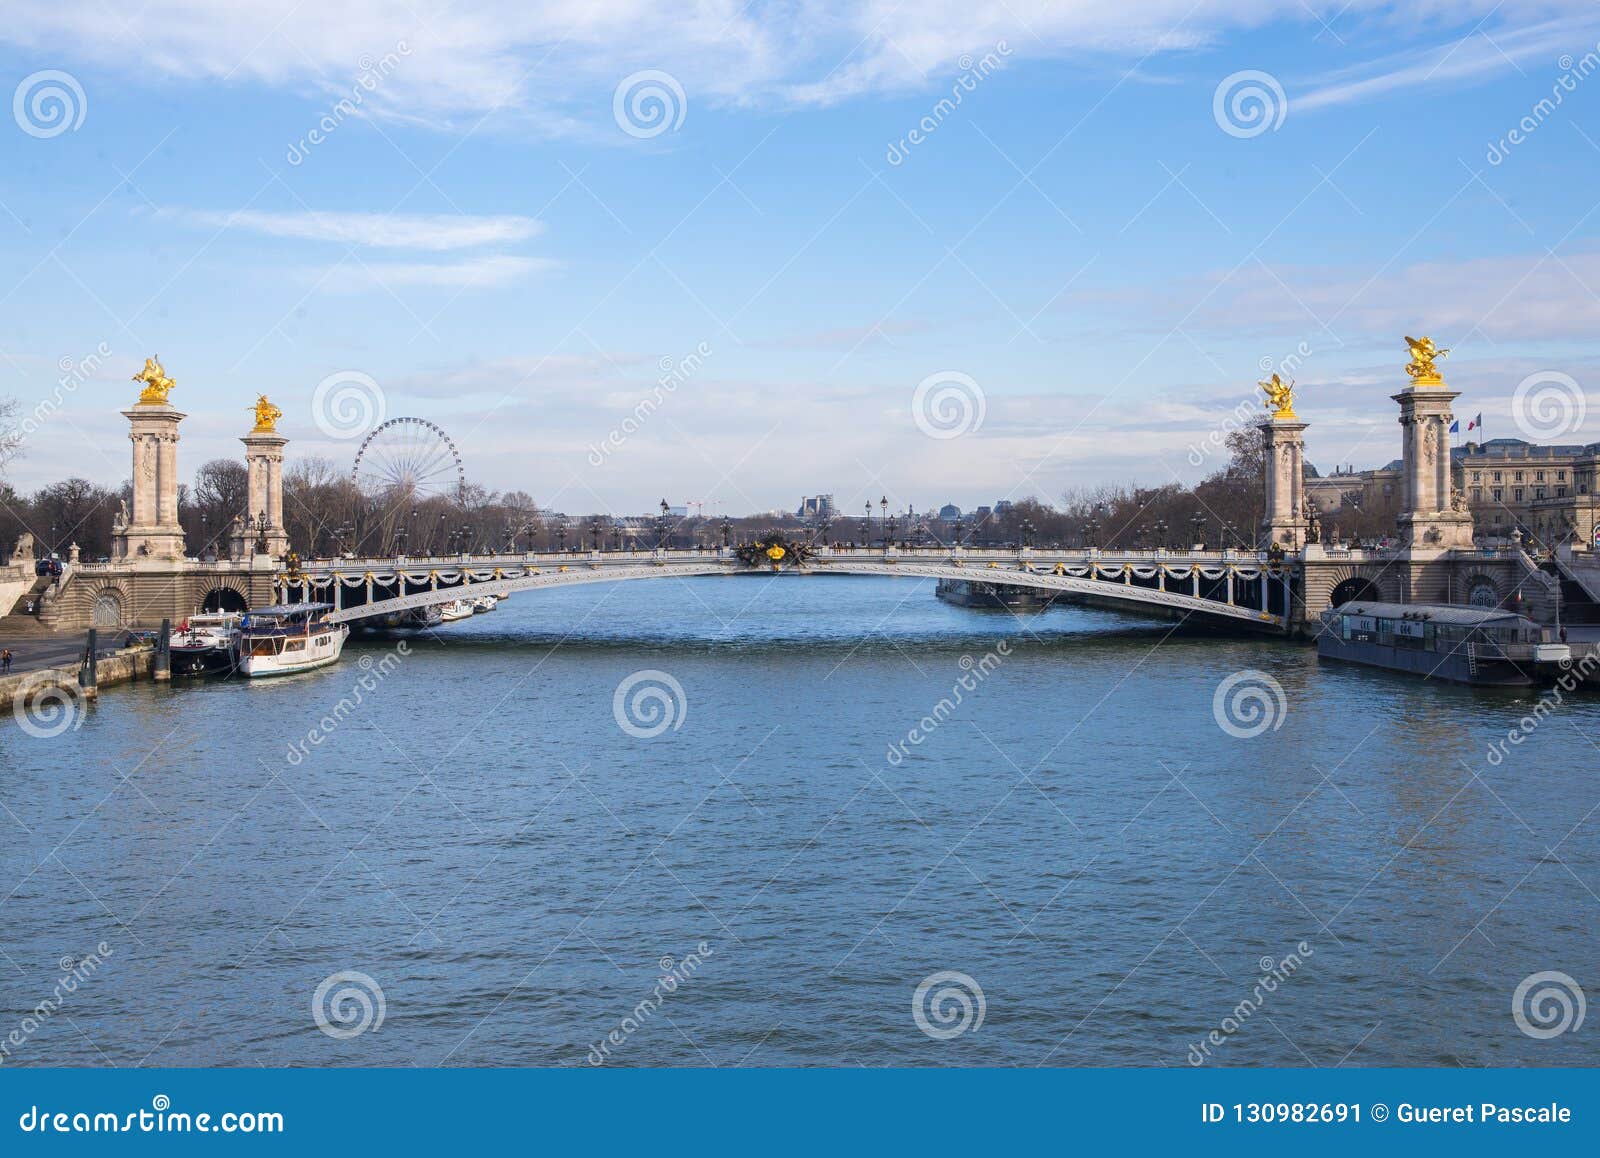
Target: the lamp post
pixel 1198 521
pixel 261 533
pixel 661 526
pixel 594 533
pixel 561 538
pixel 883 517
pixel 1161 533
pixel 1027 532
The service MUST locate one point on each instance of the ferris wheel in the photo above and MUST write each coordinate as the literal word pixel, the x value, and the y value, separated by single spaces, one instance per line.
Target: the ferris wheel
pixel 411 455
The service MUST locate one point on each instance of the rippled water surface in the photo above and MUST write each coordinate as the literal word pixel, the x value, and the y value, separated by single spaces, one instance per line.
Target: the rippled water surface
pixel 1078 836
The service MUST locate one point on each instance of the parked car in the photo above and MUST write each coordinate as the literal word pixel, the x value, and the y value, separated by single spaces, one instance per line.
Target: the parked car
pixel 49 566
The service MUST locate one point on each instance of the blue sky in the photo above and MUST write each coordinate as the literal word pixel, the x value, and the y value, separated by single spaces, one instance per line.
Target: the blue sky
pixel 1089 245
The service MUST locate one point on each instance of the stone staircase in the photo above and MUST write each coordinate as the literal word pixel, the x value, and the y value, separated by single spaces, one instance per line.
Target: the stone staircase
pixel 1579 576
pixel 20 623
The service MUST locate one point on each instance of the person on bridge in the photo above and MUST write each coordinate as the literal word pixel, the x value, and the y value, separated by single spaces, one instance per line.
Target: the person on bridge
pixel 5 662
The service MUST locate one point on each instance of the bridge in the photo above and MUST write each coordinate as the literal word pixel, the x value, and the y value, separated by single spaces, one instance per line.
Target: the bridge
pixel 1239 589
pixel 151 576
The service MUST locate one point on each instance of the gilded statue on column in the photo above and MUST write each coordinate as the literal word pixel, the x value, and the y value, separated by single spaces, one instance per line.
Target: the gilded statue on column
pixel 156 383
pixel 1423 355
pixel 267 416
pixel 1280 396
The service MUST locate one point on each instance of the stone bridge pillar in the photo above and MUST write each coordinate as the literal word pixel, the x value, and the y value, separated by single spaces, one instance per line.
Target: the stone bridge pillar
pixel 263 457
pixel 1284 444
pixel 263 460
pixel 151 529
pixel 1431 516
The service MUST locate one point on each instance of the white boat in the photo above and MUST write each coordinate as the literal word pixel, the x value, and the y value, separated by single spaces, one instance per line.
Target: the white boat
pixel 289 638
pixel 206 644
pixel 458 609
pixel 484 603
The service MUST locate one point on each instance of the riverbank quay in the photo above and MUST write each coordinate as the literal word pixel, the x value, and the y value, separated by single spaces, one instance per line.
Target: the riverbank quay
pixel 1379 1111
pixel 46 681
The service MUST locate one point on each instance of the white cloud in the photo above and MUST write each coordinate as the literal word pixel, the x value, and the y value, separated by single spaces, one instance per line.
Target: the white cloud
pixel 425 231
pixel 547 59
pixel 1544 297
pixel 1480 53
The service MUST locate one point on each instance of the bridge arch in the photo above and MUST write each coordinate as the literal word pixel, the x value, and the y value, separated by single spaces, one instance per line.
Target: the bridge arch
pixel 1244 593
pixel 225 596
pixel 1357 587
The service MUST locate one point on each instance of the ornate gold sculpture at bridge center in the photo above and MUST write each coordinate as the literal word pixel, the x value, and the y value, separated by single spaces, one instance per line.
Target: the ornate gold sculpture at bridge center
pixel 156 383
pixel 267 416
pixel 1423 355
pixel 1280 396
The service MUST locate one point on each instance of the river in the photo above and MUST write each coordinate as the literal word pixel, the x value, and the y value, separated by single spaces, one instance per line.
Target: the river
pixel 834 822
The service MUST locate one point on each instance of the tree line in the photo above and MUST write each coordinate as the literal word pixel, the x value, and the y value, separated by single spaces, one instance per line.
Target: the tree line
pixel 326 513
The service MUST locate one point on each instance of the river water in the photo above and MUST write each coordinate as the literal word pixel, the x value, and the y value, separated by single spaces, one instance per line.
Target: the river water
pixel 484 857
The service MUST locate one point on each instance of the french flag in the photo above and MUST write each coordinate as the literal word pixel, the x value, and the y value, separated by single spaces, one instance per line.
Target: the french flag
pixel 1476 422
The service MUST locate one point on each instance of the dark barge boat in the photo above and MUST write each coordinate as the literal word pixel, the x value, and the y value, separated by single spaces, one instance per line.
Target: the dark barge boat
pixel 1469 645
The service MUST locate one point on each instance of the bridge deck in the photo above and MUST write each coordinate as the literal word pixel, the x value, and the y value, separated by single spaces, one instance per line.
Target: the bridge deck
pixel 1236 587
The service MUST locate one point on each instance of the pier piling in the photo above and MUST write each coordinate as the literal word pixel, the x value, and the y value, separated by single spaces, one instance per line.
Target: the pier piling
pixel 89 673
pixel 162 671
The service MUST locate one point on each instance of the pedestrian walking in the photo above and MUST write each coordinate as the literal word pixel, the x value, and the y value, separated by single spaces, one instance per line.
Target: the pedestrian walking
pixel 5 662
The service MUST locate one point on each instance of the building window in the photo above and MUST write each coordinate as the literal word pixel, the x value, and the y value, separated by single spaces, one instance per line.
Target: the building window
pixel 1517 476
pixel 1538 493
pixel 1516 493
pixel 1496 476
pixel 1477 494
pixel 1497 493
pixel 1561 492
pixel 1561 476
pixel 1477 476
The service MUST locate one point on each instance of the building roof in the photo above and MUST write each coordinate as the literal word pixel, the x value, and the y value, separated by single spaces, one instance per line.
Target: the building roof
pixel 1521 448
pixel 1433 613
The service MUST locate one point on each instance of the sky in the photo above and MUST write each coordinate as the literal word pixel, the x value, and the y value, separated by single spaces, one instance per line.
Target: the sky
pixel 733 254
